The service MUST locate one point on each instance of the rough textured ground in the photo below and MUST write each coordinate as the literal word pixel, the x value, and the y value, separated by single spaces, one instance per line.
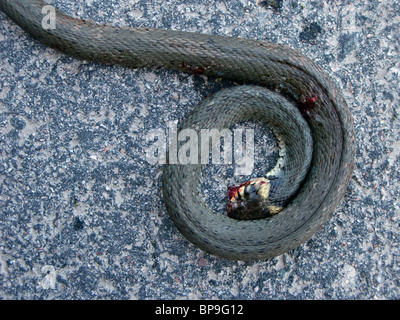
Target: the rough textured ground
pixel 82 215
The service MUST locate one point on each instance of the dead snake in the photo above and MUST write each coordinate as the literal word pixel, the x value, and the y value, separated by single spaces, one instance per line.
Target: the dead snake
pixel 264 69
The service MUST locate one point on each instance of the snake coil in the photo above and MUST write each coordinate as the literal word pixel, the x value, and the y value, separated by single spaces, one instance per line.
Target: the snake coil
pixel 266 68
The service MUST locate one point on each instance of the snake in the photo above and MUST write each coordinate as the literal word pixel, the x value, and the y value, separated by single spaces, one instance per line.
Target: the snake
pixel 274 84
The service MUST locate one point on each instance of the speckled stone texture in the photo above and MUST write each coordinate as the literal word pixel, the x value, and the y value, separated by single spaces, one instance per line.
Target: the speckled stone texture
pixel 82 215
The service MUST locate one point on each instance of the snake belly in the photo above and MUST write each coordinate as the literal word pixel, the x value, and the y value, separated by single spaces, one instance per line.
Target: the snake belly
pixel 261 64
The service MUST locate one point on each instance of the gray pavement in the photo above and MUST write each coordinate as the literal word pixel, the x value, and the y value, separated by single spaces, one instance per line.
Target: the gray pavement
pixel 82 215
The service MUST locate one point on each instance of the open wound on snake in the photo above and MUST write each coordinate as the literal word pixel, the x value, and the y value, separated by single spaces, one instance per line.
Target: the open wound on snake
pixel 222 184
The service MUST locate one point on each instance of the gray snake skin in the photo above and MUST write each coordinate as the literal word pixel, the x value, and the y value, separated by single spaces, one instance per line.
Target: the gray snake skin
pixel 272 75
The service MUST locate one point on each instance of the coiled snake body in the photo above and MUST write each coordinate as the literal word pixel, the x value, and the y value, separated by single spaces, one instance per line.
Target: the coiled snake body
pixel 262 66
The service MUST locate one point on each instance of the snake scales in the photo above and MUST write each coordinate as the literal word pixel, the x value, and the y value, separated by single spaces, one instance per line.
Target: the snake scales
pixel 259 64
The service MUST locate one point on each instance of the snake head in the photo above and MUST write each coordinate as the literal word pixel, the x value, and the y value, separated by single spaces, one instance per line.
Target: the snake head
pixel 250 200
